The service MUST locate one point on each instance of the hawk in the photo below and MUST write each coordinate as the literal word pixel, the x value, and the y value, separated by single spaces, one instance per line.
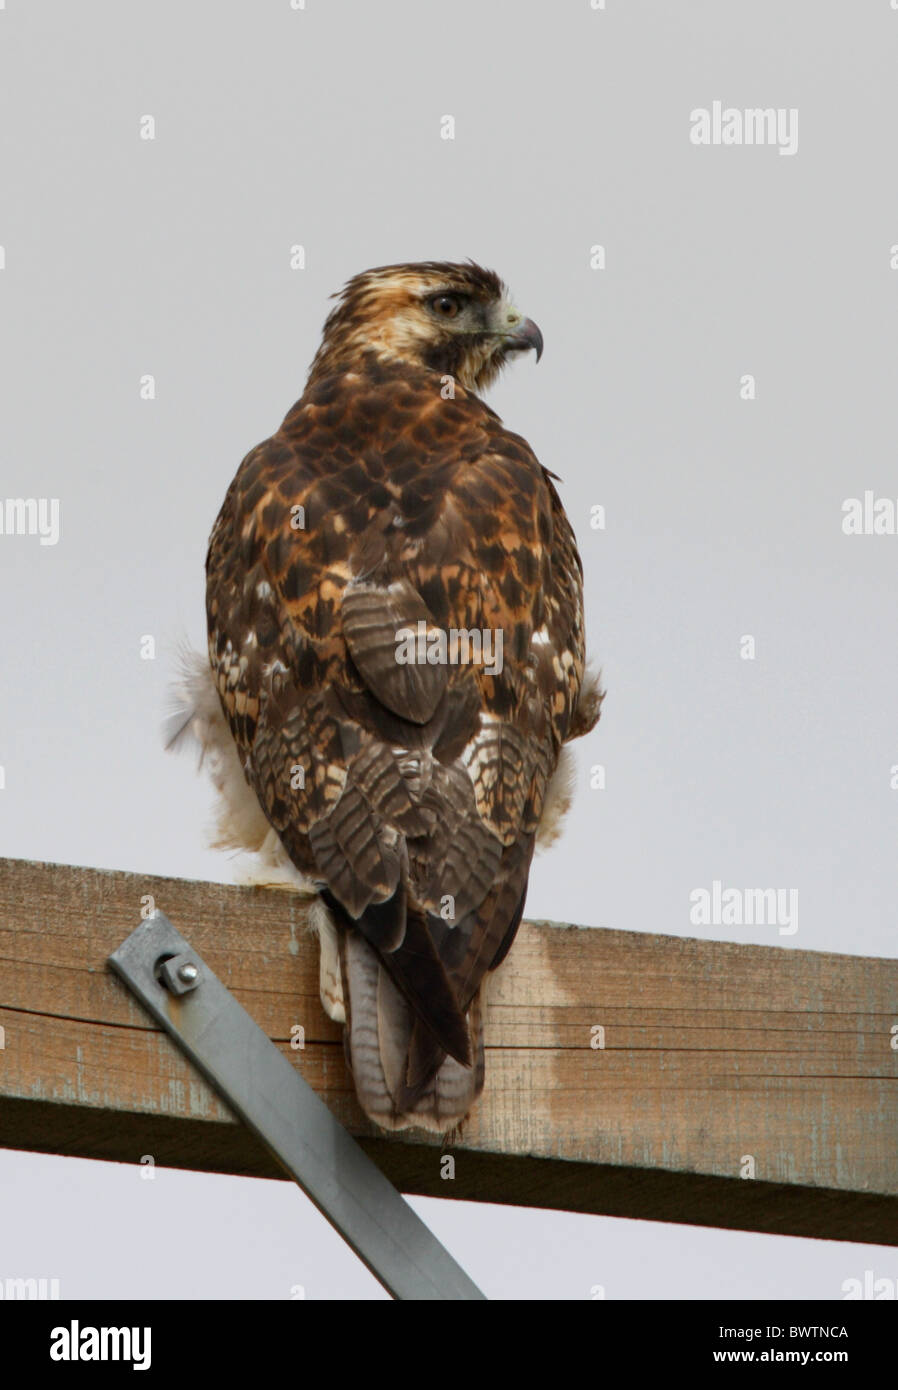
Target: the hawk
pixel 396 661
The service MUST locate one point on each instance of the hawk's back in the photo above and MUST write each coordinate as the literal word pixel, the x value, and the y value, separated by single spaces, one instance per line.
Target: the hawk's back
pixel 404 769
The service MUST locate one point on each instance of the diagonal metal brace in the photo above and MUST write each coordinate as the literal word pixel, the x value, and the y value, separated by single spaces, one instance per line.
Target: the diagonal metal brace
pixel 236 1057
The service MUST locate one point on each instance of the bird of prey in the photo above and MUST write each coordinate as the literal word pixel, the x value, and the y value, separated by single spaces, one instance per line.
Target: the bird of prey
pixel 396 639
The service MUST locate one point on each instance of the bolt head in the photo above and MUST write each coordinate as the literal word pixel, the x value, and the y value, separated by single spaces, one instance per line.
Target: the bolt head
pixel 188 973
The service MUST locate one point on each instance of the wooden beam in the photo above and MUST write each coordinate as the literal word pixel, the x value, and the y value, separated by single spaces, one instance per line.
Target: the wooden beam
pixel 718 1060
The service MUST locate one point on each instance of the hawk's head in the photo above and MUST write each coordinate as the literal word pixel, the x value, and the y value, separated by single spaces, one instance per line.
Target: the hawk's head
pixel 455 319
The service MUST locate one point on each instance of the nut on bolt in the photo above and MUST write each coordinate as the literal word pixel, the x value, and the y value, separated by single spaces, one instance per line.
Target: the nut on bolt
pixel 179 974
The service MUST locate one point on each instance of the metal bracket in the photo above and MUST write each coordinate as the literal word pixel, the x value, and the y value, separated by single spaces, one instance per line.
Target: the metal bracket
pixel 236 1057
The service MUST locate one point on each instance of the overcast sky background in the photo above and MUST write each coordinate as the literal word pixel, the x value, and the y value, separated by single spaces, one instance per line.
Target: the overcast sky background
pixel 321 127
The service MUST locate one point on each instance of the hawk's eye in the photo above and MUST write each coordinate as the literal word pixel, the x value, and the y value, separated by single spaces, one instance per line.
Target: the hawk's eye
pixel 446 305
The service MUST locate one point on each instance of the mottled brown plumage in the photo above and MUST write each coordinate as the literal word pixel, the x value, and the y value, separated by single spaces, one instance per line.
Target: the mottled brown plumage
pixel 393 499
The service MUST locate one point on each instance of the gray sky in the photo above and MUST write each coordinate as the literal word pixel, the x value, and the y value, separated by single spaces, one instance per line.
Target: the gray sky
pixel 171 257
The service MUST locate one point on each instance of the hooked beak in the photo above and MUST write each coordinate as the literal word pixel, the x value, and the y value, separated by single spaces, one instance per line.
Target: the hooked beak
pixel 525 336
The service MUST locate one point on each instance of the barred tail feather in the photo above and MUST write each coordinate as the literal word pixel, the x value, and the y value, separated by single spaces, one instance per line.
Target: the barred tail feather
pixel 402 1077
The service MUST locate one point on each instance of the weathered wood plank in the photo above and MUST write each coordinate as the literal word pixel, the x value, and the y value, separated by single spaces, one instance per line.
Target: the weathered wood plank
pixel 714 1053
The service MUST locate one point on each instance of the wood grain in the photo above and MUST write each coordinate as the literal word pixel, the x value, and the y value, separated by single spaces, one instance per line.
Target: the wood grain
pixel 714 1054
